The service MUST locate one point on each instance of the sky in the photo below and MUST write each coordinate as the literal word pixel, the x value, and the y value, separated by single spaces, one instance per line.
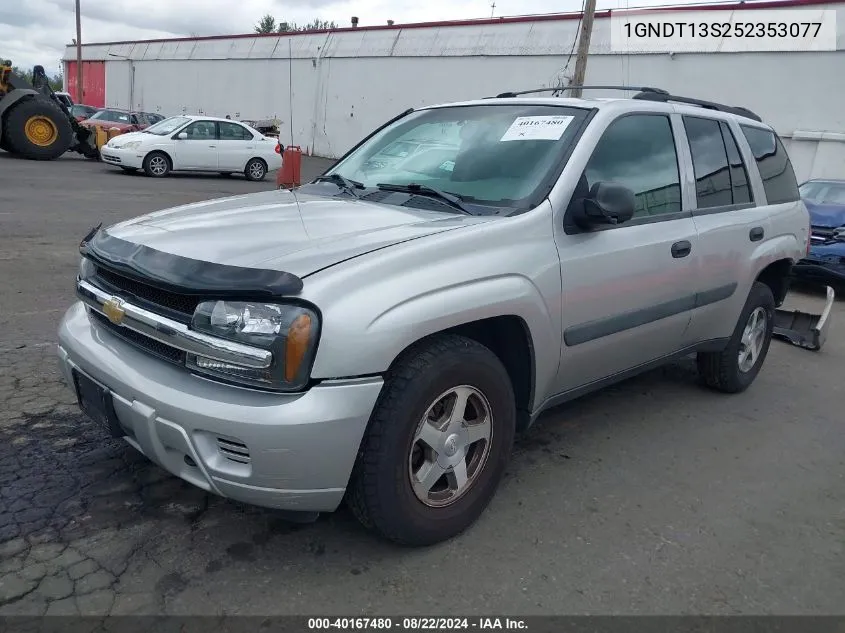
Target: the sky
pixel 36 31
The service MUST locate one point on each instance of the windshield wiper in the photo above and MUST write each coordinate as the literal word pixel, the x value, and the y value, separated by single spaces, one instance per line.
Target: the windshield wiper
pixel 424 190
pixel 349 186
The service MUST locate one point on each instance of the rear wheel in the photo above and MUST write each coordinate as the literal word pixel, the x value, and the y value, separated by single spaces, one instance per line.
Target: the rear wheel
pixel 36 129
pixel 256 169
pixel 734 369
pixel 157 164
pixel 437 444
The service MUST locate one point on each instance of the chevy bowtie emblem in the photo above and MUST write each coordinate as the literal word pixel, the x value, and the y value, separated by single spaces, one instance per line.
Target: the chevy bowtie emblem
pixel 113 309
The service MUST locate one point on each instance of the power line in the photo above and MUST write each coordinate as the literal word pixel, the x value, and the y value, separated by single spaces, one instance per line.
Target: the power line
pixel 574 42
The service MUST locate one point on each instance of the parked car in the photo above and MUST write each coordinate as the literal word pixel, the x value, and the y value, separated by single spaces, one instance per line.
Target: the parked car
pixel 194 143
pixel 154 117
pixel 268 127
pixel 123 120
pixel 380 335
pixel 65 98
pixel 82 112
pixel 825 263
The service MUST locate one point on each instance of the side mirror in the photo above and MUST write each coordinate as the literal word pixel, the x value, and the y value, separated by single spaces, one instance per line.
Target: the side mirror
pixel 607 203
pixel 182 136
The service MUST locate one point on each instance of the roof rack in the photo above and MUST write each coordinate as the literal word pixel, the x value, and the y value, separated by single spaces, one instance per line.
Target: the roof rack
pixel 646 93
pixel 506 95
pixel 710 105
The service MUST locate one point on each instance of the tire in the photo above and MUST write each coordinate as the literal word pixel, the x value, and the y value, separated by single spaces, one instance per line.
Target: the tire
pixel 256 170
pixel 157 164
pixel 37 129
pixel 381 494
pixel 724 371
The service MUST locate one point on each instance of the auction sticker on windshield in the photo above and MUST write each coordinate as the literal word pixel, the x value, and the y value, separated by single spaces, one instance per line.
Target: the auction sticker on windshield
pixel 537 128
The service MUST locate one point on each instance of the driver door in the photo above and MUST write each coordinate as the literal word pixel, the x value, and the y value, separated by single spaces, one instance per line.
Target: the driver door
pixel 627 290
pixel 199 150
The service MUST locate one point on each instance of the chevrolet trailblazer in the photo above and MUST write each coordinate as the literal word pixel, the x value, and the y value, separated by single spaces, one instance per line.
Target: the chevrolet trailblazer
pixel 380 334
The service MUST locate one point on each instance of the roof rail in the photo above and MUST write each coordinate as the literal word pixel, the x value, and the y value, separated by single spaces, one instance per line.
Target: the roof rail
pixel 646 94
pixel 506 95
pixel 665 97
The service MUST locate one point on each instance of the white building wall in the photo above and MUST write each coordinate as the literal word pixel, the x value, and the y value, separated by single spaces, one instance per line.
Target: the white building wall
pixel 328 90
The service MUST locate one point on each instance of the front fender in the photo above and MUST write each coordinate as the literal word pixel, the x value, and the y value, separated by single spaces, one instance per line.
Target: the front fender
pixel 376 306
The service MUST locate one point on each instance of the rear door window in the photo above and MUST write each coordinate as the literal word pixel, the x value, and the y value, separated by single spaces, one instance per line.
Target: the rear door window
pixel 739 174
pixel 774 165
pixel 710 163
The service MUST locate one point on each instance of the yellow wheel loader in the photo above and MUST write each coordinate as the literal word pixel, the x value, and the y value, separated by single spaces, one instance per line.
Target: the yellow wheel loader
pixel 34 123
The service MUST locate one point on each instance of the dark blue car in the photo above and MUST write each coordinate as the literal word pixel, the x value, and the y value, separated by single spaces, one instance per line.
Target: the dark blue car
pixel 825 263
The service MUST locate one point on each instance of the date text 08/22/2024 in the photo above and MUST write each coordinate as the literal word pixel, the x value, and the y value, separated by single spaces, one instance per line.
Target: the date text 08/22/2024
pixel 416 624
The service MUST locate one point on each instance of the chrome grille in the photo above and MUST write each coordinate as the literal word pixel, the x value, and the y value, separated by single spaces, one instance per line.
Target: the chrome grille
pixel 178 306
pixel 137 339
pixel 822 233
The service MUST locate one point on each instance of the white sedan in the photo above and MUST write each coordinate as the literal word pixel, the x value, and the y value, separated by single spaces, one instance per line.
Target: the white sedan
pixel 194 143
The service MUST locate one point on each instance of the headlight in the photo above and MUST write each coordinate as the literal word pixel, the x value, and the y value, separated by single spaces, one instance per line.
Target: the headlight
pixel 86 268
pixel 130 145
pixel 289 331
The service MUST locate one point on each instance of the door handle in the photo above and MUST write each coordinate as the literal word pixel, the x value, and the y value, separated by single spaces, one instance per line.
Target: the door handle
pixel 681 249
pixel 756 234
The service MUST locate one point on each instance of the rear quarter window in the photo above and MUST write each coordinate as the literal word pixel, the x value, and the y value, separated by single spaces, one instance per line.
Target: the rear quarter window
pixel 775 168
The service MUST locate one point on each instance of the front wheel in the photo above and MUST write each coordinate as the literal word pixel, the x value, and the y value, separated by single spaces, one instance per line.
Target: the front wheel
pixel 438 443
pixel 256 169
pixel 156 165
pixel 734 369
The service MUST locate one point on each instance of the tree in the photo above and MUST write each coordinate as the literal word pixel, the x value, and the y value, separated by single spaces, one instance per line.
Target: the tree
pixel 56 81
pixel 23 74
pixel 319 25
pixel 267 24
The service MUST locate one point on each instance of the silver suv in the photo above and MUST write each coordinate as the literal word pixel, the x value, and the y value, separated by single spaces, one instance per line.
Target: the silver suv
pixel 380 334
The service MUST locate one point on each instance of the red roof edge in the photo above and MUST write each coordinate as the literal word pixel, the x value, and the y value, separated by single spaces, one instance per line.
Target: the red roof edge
pixel 548 17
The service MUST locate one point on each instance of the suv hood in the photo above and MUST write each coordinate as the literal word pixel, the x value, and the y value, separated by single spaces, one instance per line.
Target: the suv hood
pixel 828 216
pixel 277 230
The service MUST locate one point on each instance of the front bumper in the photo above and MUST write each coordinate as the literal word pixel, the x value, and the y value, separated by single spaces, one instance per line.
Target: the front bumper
pixel 132 158
pixel 824 264
pixel 300 448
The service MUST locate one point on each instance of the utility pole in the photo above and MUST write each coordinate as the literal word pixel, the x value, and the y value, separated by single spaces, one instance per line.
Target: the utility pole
pixel 583 46
pixel 78 55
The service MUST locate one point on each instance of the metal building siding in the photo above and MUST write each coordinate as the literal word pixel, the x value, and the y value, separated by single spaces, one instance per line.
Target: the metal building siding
pixel 347 82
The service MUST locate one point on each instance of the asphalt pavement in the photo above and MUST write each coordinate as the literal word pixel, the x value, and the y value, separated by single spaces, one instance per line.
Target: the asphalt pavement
pixel 655 496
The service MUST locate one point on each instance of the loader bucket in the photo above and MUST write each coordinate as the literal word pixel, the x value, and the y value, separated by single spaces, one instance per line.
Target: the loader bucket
pixel 802 328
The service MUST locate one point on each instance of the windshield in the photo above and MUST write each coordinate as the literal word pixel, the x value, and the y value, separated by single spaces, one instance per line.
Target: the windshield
pixel 824 192
pixel 168 126
pixel 497 155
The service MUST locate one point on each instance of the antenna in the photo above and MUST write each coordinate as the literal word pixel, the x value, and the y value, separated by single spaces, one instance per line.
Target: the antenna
pixel 492 8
